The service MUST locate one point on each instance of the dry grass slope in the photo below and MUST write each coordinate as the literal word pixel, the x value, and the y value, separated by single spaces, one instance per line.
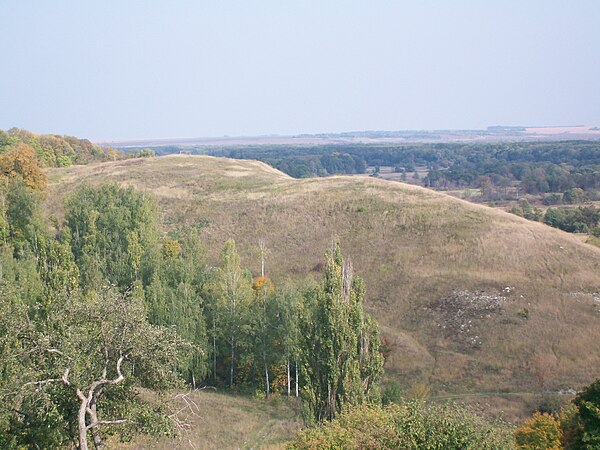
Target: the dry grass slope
pixel 437 268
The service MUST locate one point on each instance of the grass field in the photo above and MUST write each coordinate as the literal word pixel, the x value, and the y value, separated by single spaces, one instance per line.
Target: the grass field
pixel 472 299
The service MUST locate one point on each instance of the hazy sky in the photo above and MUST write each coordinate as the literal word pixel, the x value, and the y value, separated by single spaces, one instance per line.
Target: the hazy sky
pixel 125 69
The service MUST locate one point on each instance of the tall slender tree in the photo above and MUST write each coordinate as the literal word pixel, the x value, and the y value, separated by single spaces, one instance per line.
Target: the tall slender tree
pixel 234 287
pixel 342 363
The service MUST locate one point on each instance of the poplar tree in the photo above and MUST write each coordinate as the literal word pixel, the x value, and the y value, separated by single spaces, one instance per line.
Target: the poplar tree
pixel 342 362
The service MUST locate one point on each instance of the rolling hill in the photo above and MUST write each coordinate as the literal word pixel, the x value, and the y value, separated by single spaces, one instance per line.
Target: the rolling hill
pixel 470 299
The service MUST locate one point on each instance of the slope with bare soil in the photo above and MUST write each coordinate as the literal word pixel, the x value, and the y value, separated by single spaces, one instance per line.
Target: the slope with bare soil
pixel 472 299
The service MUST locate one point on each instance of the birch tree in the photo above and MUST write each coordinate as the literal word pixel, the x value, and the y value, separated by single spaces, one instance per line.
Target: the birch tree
pixel 264 327
pixel 234 287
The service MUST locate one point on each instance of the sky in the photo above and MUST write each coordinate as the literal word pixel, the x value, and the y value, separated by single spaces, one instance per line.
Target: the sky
pixel 157 69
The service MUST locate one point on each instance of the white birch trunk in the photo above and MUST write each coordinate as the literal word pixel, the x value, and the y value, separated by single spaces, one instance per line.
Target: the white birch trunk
pixel 267 379
pixel 296 379
pixel 287 364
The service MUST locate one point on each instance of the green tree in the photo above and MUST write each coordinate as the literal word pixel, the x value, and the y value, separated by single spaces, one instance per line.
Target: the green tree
pixel 263 315
pixel 289 303
pixel 234 292
pixel 82 369
pixel 175 298
pixel 23 218
pixel 588 402
pixel 342 360
pixel 114 235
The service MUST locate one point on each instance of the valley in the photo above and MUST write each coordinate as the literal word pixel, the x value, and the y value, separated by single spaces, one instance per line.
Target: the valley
pixel 470 299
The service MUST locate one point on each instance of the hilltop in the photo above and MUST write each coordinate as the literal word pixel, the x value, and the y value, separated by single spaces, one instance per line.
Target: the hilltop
pixel 469 298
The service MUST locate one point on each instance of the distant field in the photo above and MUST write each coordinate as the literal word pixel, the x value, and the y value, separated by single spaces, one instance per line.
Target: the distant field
pixel 492 134
pixel 578 130
pixel 472 299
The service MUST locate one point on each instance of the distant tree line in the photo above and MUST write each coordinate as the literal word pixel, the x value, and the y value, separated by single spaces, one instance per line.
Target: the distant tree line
pixel 534 167
pixel 574 219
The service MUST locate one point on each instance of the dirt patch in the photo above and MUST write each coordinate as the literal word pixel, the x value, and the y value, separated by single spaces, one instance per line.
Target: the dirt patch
pixel 461 314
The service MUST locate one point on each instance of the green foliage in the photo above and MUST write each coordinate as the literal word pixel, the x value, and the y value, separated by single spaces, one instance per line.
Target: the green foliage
pixel 411 425
pixel 114 235
pixel 342 363
pixel 175 298
pixel 99 344
pixel 56 343
pixel 22 215
pixel 574 220
pixel 392 393
pixel 575 195
pixel 524 209
pixel 233 291
pixel 588 402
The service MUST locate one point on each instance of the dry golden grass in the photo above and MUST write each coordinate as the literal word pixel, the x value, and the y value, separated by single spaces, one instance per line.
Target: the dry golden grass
pixel 413 247
pixel 229 422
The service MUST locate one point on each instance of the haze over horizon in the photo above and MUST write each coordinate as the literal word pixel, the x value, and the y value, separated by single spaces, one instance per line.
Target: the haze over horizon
pixel 124 70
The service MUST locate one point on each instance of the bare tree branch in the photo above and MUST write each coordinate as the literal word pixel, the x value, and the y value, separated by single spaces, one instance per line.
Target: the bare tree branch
pixel 107 422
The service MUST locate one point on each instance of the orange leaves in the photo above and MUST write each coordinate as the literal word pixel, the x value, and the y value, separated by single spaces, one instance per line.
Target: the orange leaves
pixel 263 285
pixel 20 161
pixel 541 431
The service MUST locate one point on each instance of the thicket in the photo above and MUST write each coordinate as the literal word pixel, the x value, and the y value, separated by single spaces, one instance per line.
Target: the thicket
pixel 410 425
pixel 419 424
pixel 574 219
pixel 55 150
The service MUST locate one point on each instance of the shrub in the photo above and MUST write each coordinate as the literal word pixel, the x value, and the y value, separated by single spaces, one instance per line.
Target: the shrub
pixel 411 425
pixel 542 431
pixel 392 393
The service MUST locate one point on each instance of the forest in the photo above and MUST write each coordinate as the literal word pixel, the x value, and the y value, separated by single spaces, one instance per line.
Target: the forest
pixel 99 307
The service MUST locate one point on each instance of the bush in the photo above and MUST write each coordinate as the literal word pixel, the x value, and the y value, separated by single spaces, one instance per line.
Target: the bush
pixel 552 199
pixel 542 431
pixel 392 393
pixel 411 425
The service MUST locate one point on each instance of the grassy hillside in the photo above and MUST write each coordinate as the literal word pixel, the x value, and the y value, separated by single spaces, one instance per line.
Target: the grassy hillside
pixel 472 299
